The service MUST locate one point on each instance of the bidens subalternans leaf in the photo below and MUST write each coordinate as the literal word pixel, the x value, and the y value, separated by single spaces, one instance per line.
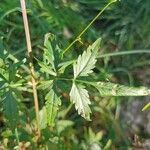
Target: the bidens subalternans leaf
pixel 83 67
pixel 50 61
pixel 52 105
pixel 113 89
pixel 80 97
pixel 86 62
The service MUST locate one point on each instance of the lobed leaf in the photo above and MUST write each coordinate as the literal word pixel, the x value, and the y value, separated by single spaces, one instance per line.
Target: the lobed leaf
pixel 43 118
pixel 46 68
pixel 52 105
pixel 45 84
pixel 51 55
pixel 112 89
pixel 64 65
pixel 80 97
pixel 48 50
pixel 86 62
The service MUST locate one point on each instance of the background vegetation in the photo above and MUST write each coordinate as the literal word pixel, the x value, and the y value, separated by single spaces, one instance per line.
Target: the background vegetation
pixel 124 26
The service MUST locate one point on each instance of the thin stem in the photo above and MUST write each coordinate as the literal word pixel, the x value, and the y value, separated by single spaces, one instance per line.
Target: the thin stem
pixel 124 53
pixel 64 79
pixel 77 80
pixel 126 72
pixel 83 81
pixel 146 106
pixel 78 38
pixel 17 136
pixel 29 50
pixel 68 109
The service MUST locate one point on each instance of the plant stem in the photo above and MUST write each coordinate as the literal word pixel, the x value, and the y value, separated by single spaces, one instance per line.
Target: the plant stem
pixel 64 79
pixel 29 50
pixel 124 53
pixel 78 38
pixel 146 106
pixel 17 136
pixel 81 81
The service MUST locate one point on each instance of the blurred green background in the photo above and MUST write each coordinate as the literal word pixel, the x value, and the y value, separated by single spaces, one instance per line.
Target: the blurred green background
pixel 124 26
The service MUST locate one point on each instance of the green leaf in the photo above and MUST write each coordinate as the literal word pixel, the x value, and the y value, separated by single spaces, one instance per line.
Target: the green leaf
pixel 64 65
pixel 64 124
pixel 43 118
pixel 4 77
pixel 112 89
pixel 80 97
pixel 18 94
pixel 46 68
pixel 3 53
pixel 51 55
pixel 13 68
pixel 52 105
pixel 45 84
pixel 10 108
pixel 1 62
pixel 93 137
pixel 86 62
pixel 49 51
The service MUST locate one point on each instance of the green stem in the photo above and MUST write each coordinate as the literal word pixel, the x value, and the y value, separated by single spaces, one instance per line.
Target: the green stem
pixel 124 53
pixel 17 136
pixel 83 81
pixel 64 79
pixel 78 38
pixel 67 110
pixel 146 106
pixel 77 80
pixel 126 72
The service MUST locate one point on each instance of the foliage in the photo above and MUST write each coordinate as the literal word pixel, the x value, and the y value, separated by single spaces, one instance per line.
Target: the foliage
pixel 81 79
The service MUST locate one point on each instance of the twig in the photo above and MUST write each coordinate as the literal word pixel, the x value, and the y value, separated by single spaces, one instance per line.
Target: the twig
pixel 29 49
pixel 78 38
